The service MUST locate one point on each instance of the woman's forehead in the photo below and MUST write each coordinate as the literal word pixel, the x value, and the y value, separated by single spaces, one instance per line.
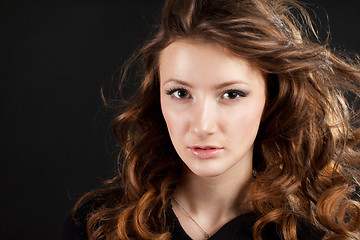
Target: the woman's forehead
pixel 209 63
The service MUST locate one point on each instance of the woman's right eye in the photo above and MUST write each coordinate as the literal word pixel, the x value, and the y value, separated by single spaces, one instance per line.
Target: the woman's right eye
pixel 179 93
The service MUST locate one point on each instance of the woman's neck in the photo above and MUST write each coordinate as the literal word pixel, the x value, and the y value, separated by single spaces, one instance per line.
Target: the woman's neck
pixel 220 197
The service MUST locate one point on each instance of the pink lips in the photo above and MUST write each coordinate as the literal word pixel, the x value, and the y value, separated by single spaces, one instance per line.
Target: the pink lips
pixel 205 152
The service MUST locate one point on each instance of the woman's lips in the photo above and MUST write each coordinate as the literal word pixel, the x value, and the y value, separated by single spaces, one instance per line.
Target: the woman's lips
pixel 205 152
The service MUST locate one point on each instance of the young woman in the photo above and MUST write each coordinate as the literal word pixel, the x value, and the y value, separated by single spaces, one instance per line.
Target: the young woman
pixel 242 128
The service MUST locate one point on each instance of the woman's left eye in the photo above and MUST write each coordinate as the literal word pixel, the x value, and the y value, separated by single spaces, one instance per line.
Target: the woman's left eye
pixel 233 94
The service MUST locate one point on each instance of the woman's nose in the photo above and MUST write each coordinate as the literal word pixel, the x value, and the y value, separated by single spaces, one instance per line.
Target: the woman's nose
pixel 204 118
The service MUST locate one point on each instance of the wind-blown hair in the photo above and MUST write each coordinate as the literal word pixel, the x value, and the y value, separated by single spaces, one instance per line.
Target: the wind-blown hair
pixel 306 152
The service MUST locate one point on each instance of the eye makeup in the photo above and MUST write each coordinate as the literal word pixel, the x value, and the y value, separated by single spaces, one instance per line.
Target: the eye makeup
pixel 233 94
pixel 178 93
pixel 182 93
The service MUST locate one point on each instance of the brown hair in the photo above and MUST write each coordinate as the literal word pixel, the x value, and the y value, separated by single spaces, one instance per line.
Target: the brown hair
pixel 305 154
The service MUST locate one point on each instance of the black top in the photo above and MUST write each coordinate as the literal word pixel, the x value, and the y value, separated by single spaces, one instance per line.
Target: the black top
pixel 240 228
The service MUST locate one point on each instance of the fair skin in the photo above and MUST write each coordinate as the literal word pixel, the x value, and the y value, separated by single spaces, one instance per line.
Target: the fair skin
pixel 212 103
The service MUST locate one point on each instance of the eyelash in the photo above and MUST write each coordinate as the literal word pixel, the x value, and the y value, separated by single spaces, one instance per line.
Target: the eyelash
pixel 171 91
pixel 238 92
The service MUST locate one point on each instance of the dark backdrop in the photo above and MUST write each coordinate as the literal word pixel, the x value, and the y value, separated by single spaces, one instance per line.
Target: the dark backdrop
pixel 55 56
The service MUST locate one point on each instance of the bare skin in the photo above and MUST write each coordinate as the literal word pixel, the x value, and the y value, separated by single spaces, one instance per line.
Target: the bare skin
pixel 209 204
pixel 212 103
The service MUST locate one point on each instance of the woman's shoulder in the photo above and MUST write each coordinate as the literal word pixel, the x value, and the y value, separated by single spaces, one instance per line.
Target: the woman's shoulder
pixel 74 227
pixel 304 230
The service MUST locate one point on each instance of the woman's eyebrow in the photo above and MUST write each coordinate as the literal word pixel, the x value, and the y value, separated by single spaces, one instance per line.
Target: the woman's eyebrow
pixel 177 81
pixel 229 83
pixel 218 86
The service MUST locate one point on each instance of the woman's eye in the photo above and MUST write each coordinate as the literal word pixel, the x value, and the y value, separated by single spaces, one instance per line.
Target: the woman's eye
pixel 233 94
pixel 179 93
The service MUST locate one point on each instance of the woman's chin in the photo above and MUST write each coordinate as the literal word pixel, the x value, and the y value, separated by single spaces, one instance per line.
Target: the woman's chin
pixel 207 172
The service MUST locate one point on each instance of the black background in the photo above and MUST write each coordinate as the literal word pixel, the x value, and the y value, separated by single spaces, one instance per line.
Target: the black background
pixel 55 139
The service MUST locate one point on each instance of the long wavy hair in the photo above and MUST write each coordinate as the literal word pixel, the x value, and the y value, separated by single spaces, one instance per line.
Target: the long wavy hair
pixel 306 154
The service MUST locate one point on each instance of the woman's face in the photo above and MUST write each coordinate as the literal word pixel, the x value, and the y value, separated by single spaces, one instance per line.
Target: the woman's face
pixel 212 103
